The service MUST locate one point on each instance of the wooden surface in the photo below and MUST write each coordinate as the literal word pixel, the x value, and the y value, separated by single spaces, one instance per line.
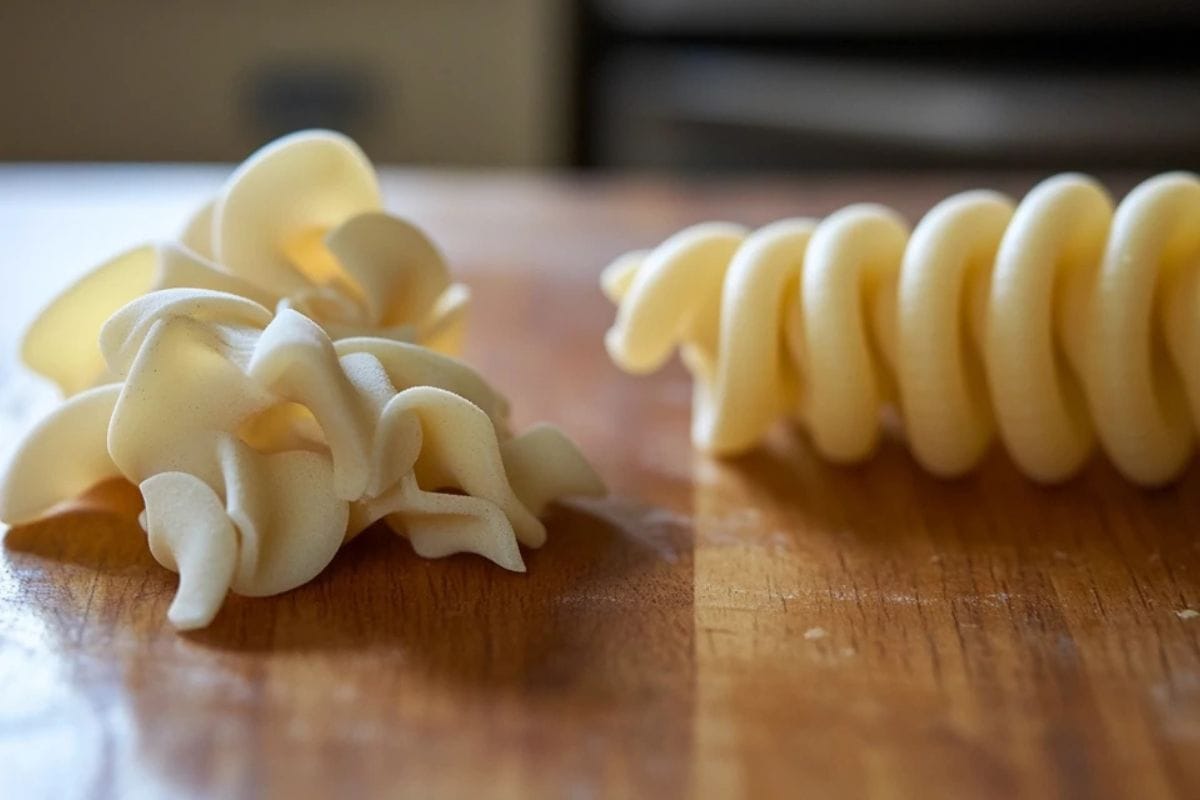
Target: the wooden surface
pixel 765 627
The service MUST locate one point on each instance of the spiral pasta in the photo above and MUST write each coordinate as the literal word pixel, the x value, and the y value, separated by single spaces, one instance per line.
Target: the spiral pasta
pixel 1052 323
pixel 260 446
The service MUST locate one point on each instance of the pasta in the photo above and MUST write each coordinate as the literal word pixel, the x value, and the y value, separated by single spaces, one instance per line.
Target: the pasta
pixel 277 381
pixel 1053 324
pixel 298 225
pixel 260 446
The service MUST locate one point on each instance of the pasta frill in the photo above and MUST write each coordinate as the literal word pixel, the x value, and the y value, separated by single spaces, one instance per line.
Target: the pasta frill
pixel 278 380
pixel 261 445
pixel 298 225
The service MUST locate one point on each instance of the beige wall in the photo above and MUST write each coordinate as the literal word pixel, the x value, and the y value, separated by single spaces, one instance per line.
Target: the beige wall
pixel 453 81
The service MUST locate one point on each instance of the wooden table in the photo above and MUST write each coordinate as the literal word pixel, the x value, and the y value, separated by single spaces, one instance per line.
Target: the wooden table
pixel 768 626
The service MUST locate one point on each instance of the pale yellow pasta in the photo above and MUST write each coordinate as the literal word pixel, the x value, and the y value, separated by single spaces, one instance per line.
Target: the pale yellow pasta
pixel 298 225
pixel 1051 323
pixel 71 456
pixel 275 382
pixel 260 446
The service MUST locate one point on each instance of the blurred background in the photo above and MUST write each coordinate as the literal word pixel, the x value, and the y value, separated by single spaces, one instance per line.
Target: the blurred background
pixel 672 85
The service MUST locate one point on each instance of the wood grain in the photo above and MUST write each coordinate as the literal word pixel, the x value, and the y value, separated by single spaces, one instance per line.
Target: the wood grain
pixel 768 626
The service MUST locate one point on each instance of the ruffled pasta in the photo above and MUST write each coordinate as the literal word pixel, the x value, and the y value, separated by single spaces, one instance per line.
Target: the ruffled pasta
pixel 298 225
pixel 1051 323
pixel 260 445
pixel 276 382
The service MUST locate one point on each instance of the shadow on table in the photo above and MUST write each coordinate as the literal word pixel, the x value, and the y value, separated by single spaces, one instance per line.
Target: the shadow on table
pixel 426 662
pixel 97 531
pixel 611 589
pixel 607 576
pixel 891 507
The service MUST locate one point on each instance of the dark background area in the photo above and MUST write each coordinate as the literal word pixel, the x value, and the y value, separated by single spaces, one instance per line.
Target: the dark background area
pixel 678 85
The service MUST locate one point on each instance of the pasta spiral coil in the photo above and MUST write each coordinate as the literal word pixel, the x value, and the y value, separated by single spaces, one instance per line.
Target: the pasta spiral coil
pixel 1053 324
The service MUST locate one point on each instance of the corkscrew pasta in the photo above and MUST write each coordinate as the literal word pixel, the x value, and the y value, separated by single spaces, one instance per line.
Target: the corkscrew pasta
pixel 1053 324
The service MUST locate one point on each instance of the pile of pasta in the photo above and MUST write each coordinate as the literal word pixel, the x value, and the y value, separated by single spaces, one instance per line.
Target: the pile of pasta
pixel 278 381
pixel 1052 323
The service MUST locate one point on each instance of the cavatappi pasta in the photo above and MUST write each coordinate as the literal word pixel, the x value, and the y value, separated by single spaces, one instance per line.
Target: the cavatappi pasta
pixel 1053 324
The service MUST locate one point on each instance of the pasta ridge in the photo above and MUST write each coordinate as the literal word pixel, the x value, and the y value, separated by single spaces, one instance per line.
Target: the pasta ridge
pixel 278 380
pixel 260 447
pixel 1056 325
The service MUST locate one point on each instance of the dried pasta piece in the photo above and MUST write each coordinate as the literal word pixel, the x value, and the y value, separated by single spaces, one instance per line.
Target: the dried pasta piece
pixel 190 533
pixel 431 439
pixel 275 382
pixel 408 365
pixel 393 264
pixel 289 518
pixel 260 446
pixel 62 456
pixel 269 219
pixel 61 342
pixel 542 465
pixel 457 448
pixel 297 226
pixel 440 524
pixel 1050 323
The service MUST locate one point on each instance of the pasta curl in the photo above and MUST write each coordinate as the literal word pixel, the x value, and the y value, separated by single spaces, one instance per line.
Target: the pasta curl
pixel 299 225
pixel 1052 324
pixel 276 382
pixel 260 446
